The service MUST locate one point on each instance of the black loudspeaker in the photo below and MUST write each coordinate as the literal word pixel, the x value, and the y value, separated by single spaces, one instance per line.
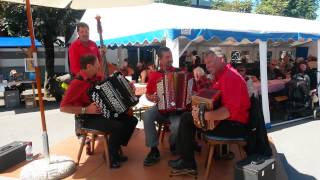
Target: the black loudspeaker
pixel 12 154
pixel 255 168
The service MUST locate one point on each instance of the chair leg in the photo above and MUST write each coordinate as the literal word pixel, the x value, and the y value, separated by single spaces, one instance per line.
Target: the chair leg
pixel 209 163
pixel 106 149
pixel 83 141
pixel 94 136
pixel 163 131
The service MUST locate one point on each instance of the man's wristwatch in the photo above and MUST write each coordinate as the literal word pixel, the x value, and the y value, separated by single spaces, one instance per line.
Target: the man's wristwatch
pixel 83 110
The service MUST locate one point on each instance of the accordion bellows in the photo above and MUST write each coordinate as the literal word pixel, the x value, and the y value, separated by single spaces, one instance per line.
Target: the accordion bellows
pixel 174 91
pixel 114 96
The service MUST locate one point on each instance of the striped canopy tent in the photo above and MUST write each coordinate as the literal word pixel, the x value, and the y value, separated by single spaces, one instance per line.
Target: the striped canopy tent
pixel 156 22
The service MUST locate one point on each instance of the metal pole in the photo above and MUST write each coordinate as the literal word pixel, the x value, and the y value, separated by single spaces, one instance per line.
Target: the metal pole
pixel 38 79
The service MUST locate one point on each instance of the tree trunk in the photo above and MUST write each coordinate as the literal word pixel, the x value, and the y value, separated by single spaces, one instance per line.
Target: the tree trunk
pixel 49 63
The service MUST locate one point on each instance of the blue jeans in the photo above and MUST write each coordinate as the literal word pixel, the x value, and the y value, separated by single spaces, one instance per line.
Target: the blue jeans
pixel 149 118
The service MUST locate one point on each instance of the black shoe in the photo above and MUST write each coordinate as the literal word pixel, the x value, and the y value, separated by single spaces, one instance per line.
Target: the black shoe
pixel 173 149
pixel 152 158
pixel 181 164
pixel 170 162
pixel 114 163
pixel 197 148
pixel 122 158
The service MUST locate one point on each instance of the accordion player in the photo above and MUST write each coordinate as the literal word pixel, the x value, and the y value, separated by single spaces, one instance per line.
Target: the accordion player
pixel 206 100
pixel 174 92
pixel 113 95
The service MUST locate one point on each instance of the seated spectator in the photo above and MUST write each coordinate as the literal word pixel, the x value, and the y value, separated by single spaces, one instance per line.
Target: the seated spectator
pixel 15 76
pixel 201 80
pixel 274 71
pixel 125 69
pixel 286 65
pixel 146 72
pixel 249 80
pixel 137 71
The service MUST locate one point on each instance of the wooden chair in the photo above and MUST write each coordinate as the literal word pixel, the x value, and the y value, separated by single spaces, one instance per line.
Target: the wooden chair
pixel 217 140
pixel 84 132
pixel 163 127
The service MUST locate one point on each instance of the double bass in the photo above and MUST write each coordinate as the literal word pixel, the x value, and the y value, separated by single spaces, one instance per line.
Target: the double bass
pixel 107 68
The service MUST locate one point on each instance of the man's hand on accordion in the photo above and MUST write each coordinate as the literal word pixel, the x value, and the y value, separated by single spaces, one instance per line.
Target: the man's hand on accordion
pixel 93 109
pixel 196 119
pixel 195 115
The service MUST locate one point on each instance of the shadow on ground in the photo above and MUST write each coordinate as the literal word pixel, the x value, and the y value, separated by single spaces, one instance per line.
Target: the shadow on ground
pixel 290 124
pixel 48 105
pixel 292 173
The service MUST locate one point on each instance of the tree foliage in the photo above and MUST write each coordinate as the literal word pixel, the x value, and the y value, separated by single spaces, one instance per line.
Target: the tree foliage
pixel 235 5
pixel 177 2
pixel 292 8
pixel 49 23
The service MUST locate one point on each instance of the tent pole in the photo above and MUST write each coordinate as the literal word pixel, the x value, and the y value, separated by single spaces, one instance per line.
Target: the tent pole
pixel 318 67
pixel 38 79
pixel 174 46
pixel 264 81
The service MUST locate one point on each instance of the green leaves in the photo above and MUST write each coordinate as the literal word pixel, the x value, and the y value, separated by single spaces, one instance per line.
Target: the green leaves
pixel 234 6
pixel 292 8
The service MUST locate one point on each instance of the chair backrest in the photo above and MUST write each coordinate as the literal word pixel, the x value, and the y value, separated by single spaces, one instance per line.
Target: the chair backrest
pixel 257 139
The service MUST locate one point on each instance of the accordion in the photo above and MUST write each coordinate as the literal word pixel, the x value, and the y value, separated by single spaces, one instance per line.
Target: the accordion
pixel 174 92
pixel 206 100
pixel 113 95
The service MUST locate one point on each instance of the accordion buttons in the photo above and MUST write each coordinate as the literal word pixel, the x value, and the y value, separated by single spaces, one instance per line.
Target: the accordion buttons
pixel 115 115
pixel 97 87
pixel 173 103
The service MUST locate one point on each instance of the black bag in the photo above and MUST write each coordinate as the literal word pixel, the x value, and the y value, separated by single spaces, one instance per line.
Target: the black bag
pixel 12 154
pixel 255 168
pixel 257 139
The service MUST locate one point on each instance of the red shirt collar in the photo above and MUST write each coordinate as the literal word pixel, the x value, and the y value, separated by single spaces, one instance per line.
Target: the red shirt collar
pixel 85 77
pixel 78 42
pixel 219 74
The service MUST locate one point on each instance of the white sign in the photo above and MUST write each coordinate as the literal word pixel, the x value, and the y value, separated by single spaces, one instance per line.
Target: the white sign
pixel 29 65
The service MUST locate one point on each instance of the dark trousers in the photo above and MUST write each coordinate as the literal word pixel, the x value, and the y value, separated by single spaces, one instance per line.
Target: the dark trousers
pixel 120 129
pixel 186 134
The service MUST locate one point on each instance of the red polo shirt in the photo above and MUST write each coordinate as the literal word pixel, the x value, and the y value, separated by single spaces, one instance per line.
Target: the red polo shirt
pixel 77 92
pixel 234 94
pixel 78 49
pixel 154 78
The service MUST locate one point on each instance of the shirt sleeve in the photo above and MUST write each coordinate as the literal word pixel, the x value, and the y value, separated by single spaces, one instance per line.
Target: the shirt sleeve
pixel 74 60
pixel 74 94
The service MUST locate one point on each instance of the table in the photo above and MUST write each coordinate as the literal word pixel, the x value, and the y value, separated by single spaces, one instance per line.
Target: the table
pixel 141 88
pixel 273 85
pixel 25 93
pixel 143 105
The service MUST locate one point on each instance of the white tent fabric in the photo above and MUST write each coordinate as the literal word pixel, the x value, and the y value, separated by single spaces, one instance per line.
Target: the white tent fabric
pixel 84 4
pixel 157 21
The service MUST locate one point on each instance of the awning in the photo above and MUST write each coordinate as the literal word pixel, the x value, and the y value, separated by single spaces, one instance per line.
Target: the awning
pixel 17 42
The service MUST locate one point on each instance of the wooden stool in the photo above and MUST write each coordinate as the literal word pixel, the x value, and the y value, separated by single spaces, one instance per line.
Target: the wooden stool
pixel 94 133
pixel 216 140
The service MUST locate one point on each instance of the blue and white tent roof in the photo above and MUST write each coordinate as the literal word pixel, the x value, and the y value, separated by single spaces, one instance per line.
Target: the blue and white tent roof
pixel 155 22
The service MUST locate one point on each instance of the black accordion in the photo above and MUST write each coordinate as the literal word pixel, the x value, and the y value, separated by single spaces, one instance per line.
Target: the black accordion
pixel 114 95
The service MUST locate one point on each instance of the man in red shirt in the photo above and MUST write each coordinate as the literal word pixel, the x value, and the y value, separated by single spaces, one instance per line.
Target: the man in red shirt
pixel 233 114
pixel 152 114
pixel 76 101
pixel 80 47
